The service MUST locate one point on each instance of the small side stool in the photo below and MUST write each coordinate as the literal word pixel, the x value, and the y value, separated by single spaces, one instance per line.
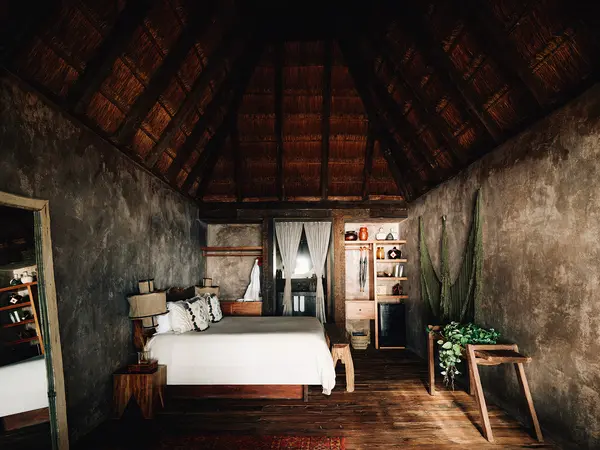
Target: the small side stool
pixel 147 389
pixel 341 352
pixel 493 355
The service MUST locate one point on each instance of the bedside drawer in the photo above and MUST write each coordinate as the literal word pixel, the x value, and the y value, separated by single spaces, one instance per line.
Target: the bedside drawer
pixel 360 309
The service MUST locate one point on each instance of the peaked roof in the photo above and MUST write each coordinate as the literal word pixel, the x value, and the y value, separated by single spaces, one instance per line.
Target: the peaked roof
pixel 311 101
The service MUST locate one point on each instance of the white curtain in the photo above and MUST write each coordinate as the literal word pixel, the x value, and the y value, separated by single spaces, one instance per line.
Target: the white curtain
pixel 288 239
pixel 317 236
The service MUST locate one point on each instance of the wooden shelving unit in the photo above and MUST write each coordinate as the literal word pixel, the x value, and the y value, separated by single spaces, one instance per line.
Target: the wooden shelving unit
pixel 368 308
pixel 32 293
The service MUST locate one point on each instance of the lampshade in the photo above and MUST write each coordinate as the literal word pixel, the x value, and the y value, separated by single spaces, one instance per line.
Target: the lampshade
pixel 145 306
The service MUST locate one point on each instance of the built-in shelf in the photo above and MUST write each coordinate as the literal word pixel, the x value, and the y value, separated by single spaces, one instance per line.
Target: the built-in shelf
pixel 400 242
pixel 379 261
pixel 393 278
pixel 360 299
pixel 23 341
pixel 18 305
pixel 16 324
pixel 17 287
pixel 392 297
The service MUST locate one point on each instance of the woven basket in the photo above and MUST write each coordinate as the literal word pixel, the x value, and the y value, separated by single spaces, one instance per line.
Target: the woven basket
pixel 360 342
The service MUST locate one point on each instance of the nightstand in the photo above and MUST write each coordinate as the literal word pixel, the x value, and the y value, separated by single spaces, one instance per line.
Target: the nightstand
pixel 147 389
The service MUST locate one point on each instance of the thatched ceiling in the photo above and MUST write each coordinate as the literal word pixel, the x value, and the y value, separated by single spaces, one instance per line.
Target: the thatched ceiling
pixel 311 101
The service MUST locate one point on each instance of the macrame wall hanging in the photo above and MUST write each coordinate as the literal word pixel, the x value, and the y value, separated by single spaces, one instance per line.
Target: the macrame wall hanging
pixel 454 302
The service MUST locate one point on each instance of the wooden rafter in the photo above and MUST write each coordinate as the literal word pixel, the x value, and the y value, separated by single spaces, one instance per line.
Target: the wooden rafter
pixel 209 157
pixel 389 148
pixel 202 83
pixel 486 29
pixel 159 82
pixel 368 169
pixel 111 48
pixel 424 109
pixel 221 97
pixel 413 20
pixel 279 118
pixel 325 118
pixel 395 118
pixel 238 172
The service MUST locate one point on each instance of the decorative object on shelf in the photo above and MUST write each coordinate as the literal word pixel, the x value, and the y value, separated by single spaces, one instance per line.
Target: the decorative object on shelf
pixel 147 306
pixel 15 298
pixel 26 278
pixel 380 253
pixel 151 284
pixel 207 282
pixel 360 339
pixel 362 272
pixel 394 253
pixel 380 236
pixel 398 270
pixel 397 289
pixel 363 234
pixel 15 281
pixel 390 236
pixel 351 236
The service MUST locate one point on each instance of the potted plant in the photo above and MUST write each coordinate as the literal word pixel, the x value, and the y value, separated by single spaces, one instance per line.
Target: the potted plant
pixel 453 339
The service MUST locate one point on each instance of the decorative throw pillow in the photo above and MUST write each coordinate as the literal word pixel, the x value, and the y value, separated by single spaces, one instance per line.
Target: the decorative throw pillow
pixel 180 319
pixel 214 307
pixel 197 309
pixel 164 323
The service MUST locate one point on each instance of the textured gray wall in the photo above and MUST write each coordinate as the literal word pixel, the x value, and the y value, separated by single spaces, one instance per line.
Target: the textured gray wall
pixel 541 218
pixel 112 224
pixel 232 273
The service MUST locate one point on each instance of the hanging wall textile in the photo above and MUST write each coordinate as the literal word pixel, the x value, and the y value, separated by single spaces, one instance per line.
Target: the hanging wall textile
pixel 454 302
pixel 317 237
pixel 288 239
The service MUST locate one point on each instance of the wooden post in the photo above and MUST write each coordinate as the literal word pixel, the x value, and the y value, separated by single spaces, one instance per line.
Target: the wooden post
pixel 483 412
pixel 520 369
pixel 431 362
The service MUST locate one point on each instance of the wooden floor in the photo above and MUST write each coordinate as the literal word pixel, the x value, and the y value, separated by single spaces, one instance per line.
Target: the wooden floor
pixel 390 408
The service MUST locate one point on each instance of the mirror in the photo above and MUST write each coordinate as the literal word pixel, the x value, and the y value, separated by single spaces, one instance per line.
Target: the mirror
pixel 32 397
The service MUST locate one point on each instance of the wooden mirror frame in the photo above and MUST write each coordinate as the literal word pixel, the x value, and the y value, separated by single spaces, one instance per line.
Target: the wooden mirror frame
pixel 49 315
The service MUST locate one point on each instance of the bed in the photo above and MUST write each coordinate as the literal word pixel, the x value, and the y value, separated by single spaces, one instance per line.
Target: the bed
pixel 252 357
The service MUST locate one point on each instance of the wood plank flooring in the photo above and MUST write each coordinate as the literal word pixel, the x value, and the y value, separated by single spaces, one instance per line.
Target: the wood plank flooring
pixel 389 409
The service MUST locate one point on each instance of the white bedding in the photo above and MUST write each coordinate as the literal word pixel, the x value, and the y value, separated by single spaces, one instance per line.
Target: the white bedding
pixel 23 387
pixel 248 350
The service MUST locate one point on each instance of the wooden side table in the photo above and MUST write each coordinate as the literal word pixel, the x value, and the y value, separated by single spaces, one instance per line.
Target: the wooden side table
pixel 146 388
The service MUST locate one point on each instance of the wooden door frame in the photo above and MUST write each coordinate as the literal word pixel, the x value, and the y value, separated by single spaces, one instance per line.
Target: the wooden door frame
pixel 49 314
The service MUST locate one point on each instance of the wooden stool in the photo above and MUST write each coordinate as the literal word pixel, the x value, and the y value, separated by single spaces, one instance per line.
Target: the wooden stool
pixel 341 352
pixel 493 355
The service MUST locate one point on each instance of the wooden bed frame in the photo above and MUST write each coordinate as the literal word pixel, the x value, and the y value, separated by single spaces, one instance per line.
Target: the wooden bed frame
pixel 241 391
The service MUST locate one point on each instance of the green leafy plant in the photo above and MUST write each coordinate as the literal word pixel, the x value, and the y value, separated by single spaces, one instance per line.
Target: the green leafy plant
pixel 454 337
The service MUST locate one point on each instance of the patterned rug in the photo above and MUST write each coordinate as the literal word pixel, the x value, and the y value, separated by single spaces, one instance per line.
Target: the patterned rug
pixel 233 442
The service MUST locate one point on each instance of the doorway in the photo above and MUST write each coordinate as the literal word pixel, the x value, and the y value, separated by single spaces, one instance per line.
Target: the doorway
pixel 31 357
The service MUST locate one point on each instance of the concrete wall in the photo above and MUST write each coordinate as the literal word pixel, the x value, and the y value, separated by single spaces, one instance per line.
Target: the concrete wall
pixel 112 224
pixel 541 216
pixel 232 273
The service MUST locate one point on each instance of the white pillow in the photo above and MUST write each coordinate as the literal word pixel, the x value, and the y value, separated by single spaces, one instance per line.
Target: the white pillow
pixel 214 307
pixel 197 309
pixel 164 323
pixel 181 321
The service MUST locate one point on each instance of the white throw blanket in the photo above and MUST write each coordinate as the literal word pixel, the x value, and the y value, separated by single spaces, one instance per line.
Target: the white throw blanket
pixel 248 350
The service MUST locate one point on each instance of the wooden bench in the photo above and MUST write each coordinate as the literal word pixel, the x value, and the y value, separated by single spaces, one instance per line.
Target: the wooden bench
pixel 337 340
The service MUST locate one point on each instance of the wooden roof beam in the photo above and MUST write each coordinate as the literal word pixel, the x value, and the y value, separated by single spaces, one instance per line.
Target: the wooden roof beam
pixel 414 22
pixel 238 172
pixel 325 118
pixel 279 118
pixel 487 30
pixel 423 107
pixel 390 149
pixel 398 120
pixel 111 48
pixel 368 169
pixel 209 157
pixel 200 86
pixel 199 22
pixel 220 98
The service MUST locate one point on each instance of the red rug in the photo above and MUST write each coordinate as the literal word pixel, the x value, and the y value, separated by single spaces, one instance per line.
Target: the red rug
pixel 233 442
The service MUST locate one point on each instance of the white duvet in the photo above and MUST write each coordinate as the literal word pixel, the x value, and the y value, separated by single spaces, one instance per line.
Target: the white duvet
pixel 23 386
pixel 248 350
